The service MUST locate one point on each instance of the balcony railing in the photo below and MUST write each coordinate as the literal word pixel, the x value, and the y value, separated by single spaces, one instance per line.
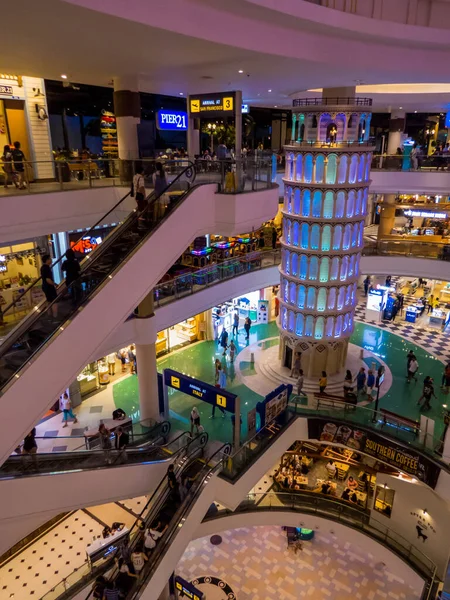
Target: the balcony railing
pixel 337 100
pixel 404 162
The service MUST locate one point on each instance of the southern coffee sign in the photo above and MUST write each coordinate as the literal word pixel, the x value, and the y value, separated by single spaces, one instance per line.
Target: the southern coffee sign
pixel 406 460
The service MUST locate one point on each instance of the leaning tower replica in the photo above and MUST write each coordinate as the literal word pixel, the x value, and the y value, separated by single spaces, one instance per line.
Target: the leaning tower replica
pixel 325 203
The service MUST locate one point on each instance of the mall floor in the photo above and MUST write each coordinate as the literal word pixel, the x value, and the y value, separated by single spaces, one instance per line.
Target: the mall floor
pixel 256 565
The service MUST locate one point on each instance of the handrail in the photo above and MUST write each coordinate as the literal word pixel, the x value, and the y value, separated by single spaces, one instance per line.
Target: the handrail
pixel 89 262
pixel 339 510
pixel 318 101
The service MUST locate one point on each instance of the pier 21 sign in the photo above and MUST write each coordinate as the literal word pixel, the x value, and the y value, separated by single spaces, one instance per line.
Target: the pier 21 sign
pixel 171 120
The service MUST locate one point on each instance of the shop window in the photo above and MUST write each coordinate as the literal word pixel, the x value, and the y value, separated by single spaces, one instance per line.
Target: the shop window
pixel 347 234
pixel 368 162
pixel 361 168
pixel 301 296
pixel 309 326
pixel 313 267
pixel 320 164
pixel 304 235
pixel 318 332
pixel 344 269
pixel 299 167
pixel 353 169
pixel 292 293
pixel 334 269
pixel 311 298
pixel 341 298
pixel 324 269
pixel 340 205
pixel 306 204
pixel 303 266
pixel 326 238
pixel 328 205
pixel 315 237
pixel 288 266
pixel 308 168
pixel 284 317
pixel 300 321
pixel 317 204
pixel 291 321
pixel 331 298
pixel 337 237
pixel 358 202
pixel 294 263
pixel 295 233
pixel 321 300
pixel 331 169
pixel 297 201
pixel 338 328
pixel 329 327
pixel 350 204
pixel 384 500
pixel 342 173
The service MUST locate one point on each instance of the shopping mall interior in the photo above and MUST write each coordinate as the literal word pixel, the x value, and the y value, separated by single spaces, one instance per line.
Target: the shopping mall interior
pixel 225 300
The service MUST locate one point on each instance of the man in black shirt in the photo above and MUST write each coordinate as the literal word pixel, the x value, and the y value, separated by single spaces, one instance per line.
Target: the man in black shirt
pixel 173 483
pixel 18 158
pixel 48 284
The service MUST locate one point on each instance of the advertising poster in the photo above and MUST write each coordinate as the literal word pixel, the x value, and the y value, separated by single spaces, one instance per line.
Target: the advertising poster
pixel 251 422
pixel 405 459
pixel 273 404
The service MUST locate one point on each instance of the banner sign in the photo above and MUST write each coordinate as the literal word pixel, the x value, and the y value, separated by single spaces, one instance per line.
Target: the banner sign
pixel 201 390
pixel 274 404
pixel 212 104
pixel 370 443
pixel 185 589
pixel 171 120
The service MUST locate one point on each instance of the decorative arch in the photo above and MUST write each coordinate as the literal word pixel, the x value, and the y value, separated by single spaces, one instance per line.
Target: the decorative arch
pixel 342 171
pixel 344 269
pixel 322 299
pixel 308 170
pixel 337 237
pixel 309 326
pixel 294 264
pixel 304 235
pixel 317 204
pixel 350 204
pixel 284 317
pixel 292 293
pixel 299 325
pixel 353 169
pixel 328 205
pixel 295 233
pixel 361 167
pixel 301 296
pixel 303 269
pixel 315 237
pixel 320 168
pixel 324 269
pixel 313 268
pixel 340 204
pixel 334 274
pixel 306 203
pixel 291 321
pixel 347 236
pixel 297 201
pixel 311 298
pixel 326 237
pixel 318 331
pixel 299 165
pixel 331 169
pixel 329 327
pixel 331 298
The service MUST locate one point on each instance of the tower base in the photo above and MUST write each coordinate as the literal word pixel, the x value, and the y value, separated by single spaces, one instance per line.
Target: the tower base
pixel 316 357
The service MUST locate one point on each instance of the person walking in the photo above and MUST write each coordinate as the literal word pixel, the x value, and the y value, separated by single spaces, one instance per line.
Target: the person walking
pixel 139 191
pixel 360 381
pixel 125 577
pixel 48 284
pixel 160 184
pixel 71 267
pixel 323 382
pixel 300 382
pixel 112 363
pixel 348 383
pixel 66 406
pixel 29 444
pixel 8 166
pixel 152 535
pixel 18 158
pixel 427 393
pixel 105 442
pixel 138 558
pixel 232 351
pixel 370 384
pixel 366 285
pixel 121 441
pixel 224 341
pixel 296 364
pixel 409 358
pixel 172 482
pixel 247 325
pixel 221 382
pixel 430 304
pixel 195 420
pixel 412 369
pixel 235 323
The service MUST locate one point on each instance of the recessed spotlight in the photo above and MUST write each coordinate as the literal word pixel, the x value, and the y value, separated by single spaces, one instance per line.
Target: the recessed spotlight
pixel 415 111
pixel 269 90
pixel 181 93
pixel 400 107
pixel 240 71
pixel 275 105
pixel 63 76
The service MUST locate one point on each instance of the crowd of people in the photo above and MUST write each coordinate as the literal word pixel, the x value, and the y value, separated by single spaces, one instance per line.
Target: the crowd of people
pixel 13 166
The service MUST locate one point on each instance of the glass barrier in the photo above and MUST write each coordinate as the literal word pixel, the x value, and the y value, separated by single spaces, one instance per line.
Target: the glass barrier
pixel 235 465
pixel 416 249
pixel 87 573
pixel 187 284
pixel 338 510
pixel 48 319
pixel 427 444
pixel 402 162
pixel 235 176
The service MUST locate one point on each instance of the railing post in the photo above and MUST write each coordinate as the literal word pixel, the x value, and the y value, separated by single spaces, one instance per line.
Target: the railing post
pixel 89 172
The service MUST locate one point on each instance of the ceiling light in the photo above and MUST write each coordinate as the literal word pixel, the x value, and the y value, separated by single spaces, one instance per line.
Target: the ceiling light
pixel 415 111
pixel 269 90
pixel 276 106
pixel 63 76
pixel 181 93
pixel 240 71
pixel 400 107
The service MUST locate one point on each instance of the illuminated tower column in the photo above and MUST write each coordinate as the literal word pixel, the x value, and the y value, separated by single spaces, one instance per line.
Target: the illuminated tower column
pixel 326 188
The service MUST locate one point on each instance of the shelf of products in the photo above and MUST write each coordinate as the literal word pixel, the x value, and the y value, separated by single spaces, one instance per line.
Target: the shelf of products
pixel 161 343
pixel 187 330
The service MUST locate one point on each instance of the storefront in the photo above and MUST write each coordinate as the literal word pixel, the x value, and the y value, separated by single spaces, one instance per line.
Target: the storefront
pixel 177 336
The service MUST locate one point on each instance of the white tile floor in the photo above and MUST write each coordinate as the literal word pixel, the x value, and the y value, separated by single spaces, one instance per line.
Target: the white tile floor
pixel 256 564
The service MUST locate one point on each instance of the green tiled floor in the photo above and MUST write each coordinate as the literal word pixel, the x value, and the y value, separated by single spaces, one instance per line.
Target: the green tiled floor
pixel 198 361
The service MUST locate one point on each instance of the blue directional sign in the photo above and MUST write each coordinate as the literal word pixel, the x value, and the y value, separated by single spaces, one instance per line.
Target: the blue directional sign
pixel 171 120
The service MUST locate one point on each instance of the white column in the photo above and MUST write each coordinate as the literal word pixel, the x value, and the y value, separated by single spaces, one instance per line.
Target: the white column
pixel 147 381
pixel 127 111
pixel 396 128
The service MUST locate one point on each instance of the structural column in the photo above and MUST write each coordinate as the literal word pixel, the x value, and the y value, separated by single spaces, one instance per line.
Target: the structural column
pixel 396 129
pixel 147 372
pixel 387 216
pixel 127 108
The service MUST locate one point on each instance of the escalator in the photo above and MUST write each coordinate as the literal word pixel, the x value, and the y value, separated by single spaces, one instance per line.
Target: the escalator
pixel 50 346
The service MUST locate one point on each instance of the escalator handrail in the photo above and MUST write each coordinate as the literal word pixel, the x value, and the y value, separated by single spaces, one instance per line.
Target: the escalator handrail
pixel 34 315
pixel 181 514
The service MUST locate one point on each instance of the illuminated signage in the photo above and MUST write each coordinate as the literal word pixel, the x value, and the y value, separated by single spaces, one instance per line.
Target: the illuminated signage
pixel 212 103
pixel 6 90
pixel 86 244
pixel 245 109
pixel 424 214
pixel 187 589
pixel 447 119
pixel 201 390
pixel 171 120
